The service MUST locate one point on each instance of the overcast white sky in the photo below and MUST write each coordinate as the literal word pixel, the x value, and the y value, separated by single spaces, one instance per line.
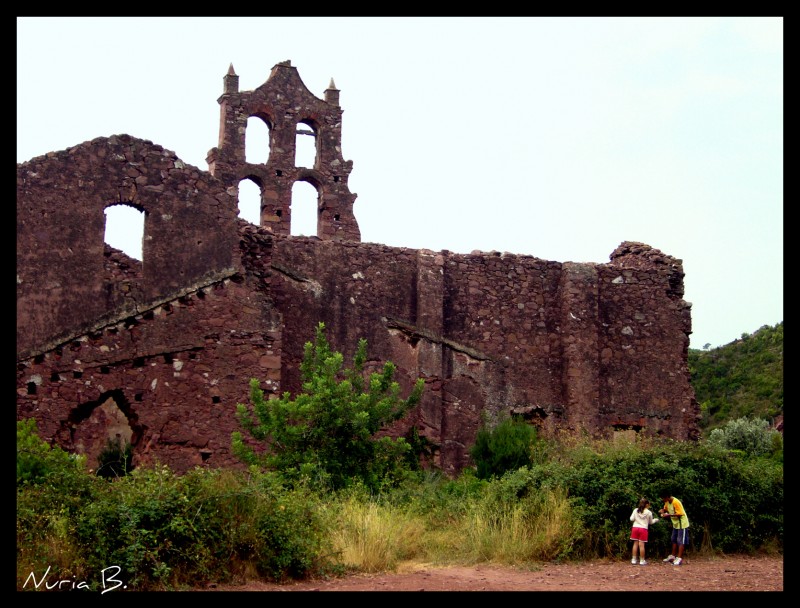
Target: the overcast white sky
pixel 556 137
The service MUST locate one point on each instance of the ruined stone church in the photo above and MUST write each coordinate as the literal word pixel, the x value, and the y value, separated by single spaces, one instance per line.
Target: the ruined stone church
pixel 157 352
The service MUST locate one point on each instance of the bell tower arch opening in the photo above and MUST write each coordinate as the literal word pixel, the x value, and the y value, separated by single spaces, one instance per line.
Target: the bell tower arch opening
pixel 305 145
pixel 257 140
pixel 304 209
pixel 302 134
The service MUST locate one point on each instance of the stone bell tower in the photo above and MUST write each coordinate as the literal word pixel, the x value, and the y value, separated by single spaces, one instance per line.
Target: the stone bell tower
pixel 287 107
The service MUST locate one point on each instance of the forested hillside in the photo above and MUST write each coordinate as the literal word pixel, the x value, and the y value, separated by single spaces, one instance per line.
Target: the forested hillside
pixel 743 378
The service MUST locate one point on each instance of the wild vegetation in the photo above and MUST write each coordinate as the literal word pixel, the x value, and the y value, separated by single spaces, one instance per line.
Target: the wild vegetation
pixel 330 502
pixel 740 379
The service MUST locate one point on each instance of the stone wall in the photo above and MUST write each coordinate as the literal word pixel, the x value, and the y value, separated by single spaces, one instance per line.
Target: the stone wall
pixel 152 351
pixel 594 348
pixel 63 281
pixel 578 347
pixel 172 377
pixel 158 352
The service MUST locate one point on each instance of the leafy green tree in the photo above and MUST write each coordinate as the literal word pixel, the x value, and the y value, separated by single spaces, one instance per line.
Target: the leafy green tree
pixel 505 447
pixel 327 432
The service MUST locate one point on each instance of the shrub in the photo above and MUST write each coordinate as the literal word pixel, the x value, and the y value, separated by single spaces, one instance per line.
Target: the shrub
pixel 733 503
pixel 504 447
pixel 751 436
pixel 52 488
pixel 165 530
pixel 38 462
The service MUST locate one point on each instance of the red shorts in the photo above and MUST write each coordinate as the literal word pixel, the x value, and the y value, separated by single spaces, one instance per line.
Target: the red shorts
pixel 639 534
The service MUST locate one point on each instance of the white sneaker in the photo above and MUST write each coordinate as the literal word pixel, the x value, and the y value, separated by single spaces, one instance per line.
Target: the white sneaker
pixel 677 561
pixel 643 562
pixel 633 561
pixel 669 559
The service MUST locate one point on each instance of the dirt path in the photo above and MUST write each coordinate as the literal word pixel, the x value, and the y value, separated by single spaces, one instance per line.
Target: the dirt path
pixel 729 573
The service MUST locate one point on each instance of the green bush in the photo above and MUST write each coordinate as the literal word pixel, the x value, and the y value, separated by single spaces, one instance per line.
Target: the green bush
pixel 166 530
pixel 751 436
pixel 49 481
pixel 440 499
pixel 53 487
pixel 504 447
pixel 733 503
pixel 38 462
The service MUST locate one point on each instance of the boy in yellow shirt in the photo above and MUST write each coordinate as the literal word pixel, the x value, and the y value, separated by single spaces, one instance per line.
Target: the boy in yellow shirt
pixel 673 509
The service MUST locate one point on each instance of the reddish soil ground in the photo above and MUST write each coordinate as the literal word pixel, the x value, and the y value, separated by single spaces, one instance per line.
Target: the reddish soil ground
pixel 698 573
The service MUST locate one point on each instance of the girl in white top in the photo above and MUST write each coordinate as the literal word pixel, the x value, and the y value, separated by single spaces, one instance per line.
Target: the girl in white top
pixel 641 517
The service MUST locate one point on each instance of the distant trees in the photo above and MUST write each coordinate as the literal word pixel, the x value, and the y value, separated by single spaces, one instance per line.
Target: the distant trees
pixel 741 379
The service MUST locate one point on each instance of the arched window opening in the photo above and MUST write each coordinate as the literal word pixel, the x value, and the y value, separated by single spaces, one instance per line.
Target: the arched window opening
pixel 125 229
pixel 305 146
pixel 250 201
pixel 304 209
pixel 256 141
pixel 104 433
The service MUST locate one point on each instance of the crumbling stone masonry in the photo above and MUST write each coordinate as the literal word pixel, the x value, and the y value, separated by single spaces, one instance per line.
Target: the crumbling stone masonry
pixel 158 352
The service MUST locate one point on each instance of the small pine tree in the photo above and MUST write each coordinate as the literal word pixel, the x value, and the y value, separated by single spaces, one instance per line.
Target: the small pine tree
pixel 327 432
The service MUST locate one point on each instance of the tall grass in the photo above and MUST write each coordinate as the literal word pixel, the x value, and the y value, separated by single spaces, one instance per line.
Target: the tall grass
pixel 373 536
pixel 50 543
pixel 536 528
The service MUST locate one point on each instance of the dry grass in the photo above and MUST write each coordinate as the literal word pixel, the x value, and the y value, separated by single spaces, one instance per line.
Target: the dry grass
pixel 373 537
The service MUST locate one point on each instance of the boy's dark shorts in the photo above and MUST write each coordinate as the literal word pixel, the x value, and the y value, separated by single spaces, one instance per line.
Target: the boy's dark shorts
pixel 680 536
